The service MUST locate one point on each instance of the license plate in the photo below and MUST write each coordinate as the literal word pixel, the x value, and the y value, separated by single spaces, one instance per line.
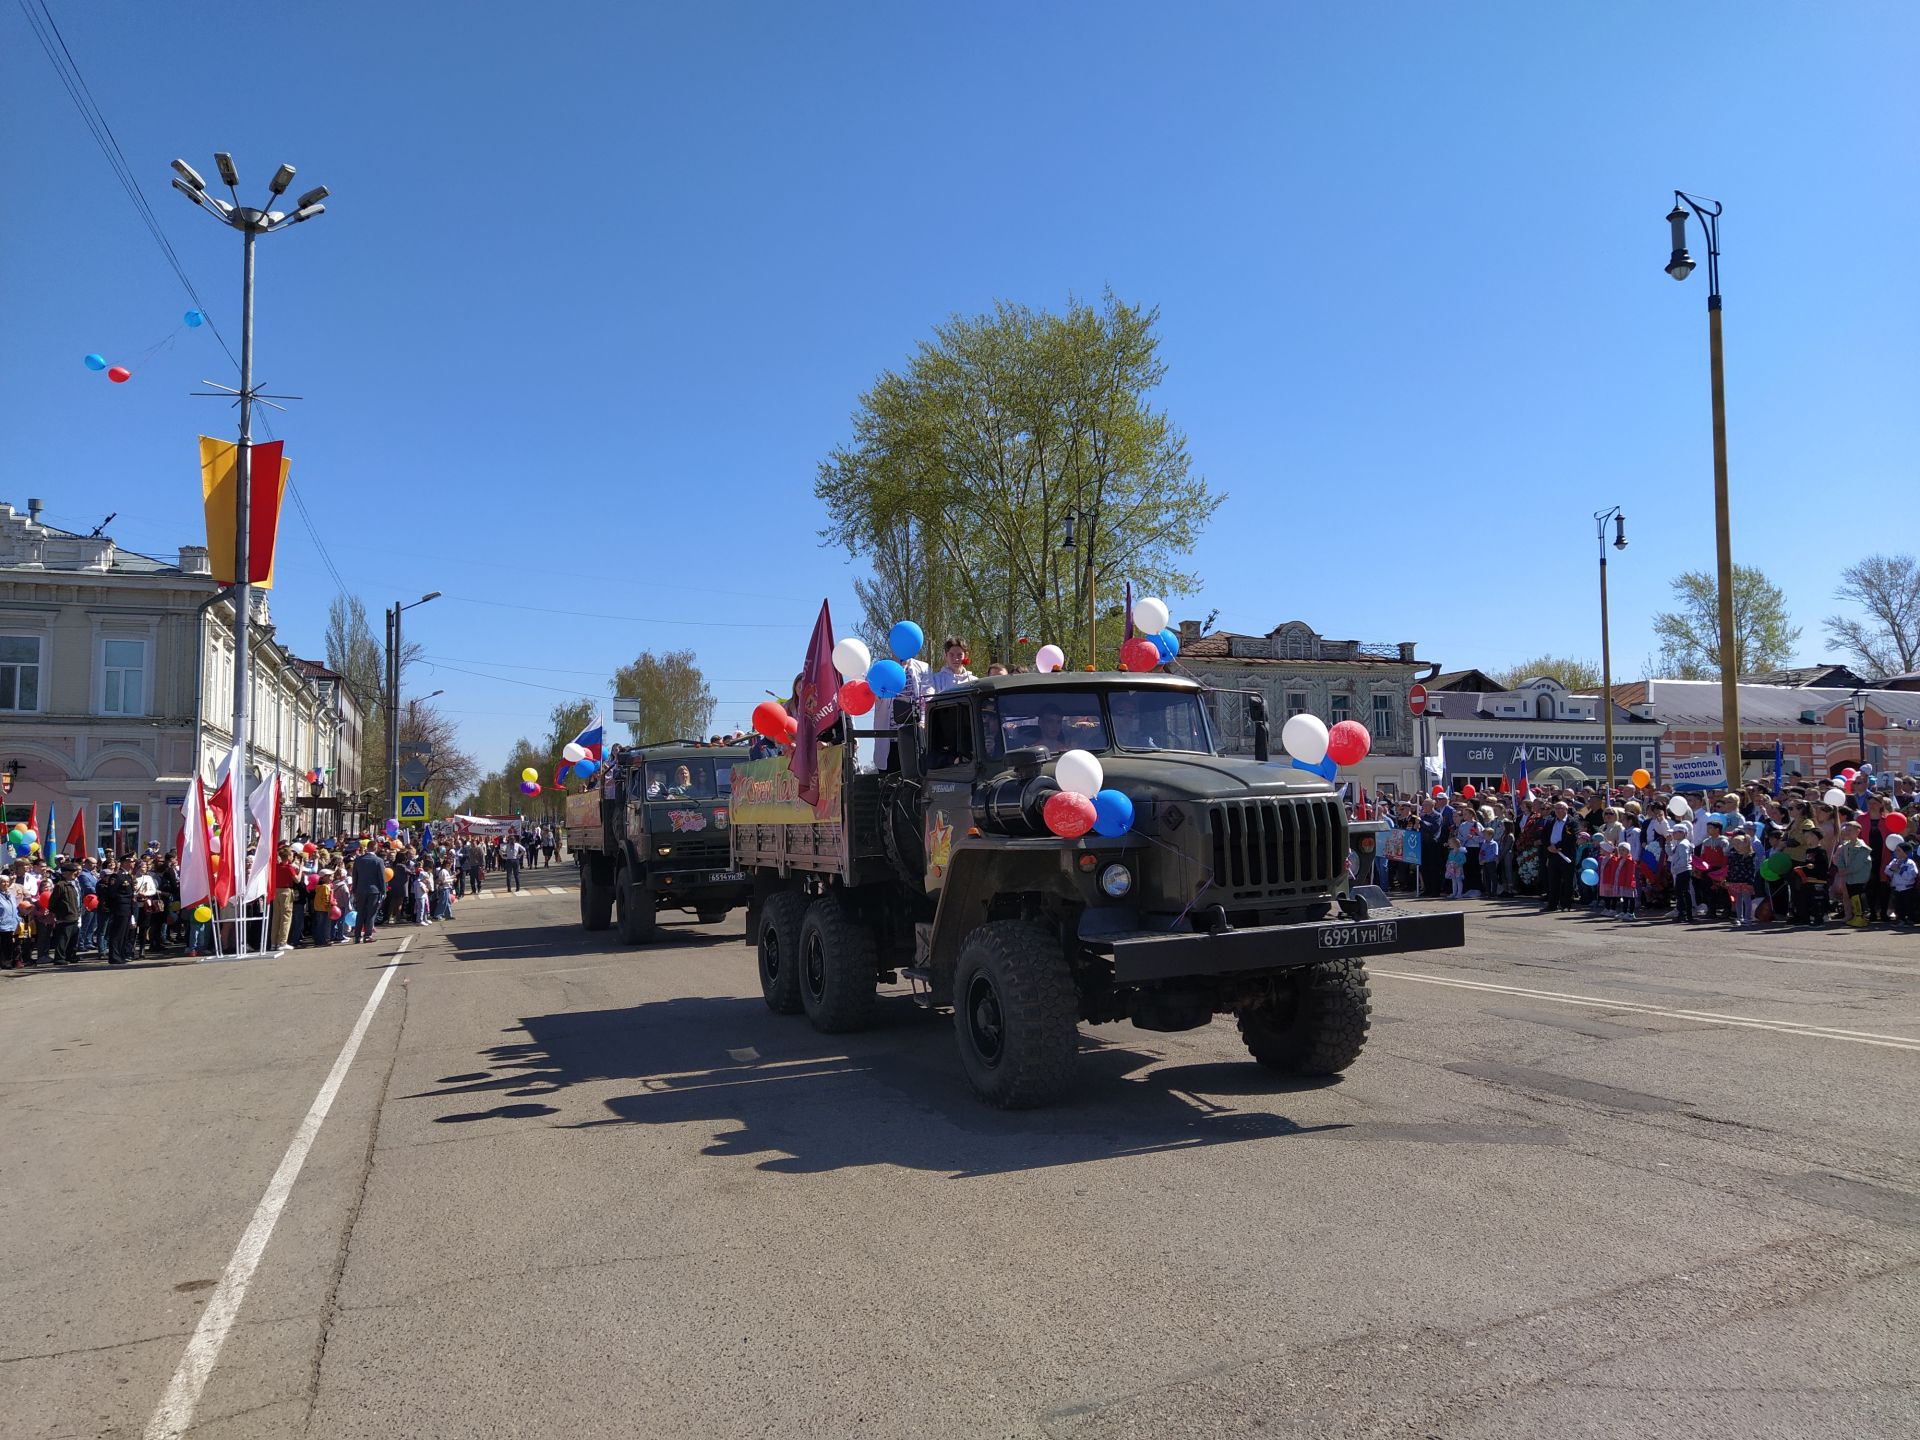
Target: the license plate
pixel 720 876
pixel 1352 937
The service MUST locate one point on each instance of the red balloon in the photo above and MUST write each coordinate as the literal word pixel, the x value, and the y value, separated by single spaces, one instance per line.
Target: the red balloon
pixel 536 788
pixel 770 720
pixel 1468 791
pixel 1894 824
pixel 1438 792
pixel 856 697
pixel 119 375
pixel 1068 815
pixel 1139 654
pixel 1348 743
pixel 92 902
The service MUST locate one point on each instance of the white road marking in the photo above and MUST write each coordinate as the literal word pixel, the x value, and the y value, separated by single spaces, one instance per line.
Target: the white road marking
pixel 175 1413
pixel 555 890
pixel 1784 1027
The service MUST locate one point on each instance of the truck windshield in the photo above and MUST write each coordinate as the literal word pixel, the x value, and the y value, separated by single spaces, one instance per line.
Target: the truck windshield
pixel 688 779
pixel 1057 719
pixel 1158 720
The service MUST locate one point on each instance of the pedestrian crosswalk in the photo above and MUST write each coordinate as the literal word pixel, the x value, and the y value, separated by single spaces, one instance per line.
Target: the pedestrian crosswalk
pixel 516 894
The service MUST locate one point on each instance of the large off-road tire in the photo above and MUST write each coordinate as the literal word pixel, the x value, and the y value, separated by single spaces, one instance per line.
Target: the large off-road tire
pixel 1317 1022
pixel 596 898
pixel 1016 1015
pixel 778 948
pixel 636 910
pixel 838 974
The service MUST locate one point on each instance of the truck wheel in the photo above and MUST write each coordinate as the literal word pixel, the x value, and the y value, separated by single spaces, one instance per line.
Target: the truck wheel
pixel 596 899
pixel 779 949
pixel 1317 1022
pixel 837 968
pixel 1016 1015
pixel 636 910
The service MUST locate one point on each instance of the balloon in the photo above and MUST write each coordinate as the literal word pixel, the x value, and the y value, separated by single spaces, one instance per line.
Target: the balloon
pixel 1894 824
pixel 92 902
pixel 96 362
pixel 1437 792
pixel 770 720
pixel 856 697
pixel 1079 773
pixel 1168 644
pixel 1589 874
pixel 1775 867
pixel 573 753
pixel 1112 812
pixel 1139 654
pixel 1641 779
pixel 529 773
pixel 1468 791
pixel 905 640
pixel 886 678
pixel 529 787
pixel 393 827
pixel 309 849
pixel 1348 743
pixel 587 769
pixel 119 374
pixel 200 912
pixel 1849 772
pixel 1678 808
pixel 1049 658
pixel 195 319
pixel 851 657
pixel 1069 815
pixel 1150 615
pixel 1835 797
pixel 389 874
pixel 1304 737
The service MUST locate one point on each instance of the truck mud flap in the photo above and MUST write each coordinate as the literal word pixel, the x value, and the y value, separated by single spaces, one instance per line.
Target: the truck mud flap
pixel 1141 958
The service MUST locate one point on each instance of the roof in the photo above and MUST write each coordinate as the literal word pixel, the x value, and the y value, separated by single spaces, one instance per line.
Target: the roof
pixel 1471 681
pixel 1804 676
pixel 1695 704
pixel 73 553
pixel 1078 680
pixel 1219 646
pixel 1465 705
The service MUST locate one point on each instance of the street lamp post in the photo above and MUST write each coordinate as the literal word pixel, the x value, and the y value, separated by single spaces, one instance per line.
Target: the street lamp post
pixel 1859 699
pixel 393 699
pixel 1606 653
pixel 1679 266
pixel 251 223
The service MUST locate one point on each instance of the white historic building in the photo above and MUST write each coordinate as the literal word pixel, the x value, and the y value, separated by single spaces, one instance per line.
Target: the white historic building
pixel 116 672
pixel 1478 738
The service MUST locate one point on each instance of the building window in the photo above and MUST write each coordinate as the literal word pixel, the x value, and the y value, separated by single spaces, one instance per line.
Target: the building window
pixel 1853 723
pixel 1296 702
pixel 129 829
pixel 1339 708
pixel 19 672
pixel 1382 716
pixel 123 677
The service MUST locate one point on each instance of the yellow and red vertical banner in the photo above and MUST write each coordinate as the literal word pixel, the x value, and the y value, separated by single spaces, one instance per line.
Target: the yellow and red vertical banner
pixel 269 469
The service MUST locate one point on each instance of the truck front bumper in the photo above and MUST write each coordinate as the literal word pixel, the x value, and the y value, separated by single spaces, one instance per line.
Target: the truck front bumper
pixel 1384 931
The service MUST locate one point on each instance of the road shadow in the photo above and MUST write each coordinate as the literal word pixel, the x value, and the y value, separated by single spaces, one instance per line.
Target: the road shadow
pixel 509 942
pixel 891 1095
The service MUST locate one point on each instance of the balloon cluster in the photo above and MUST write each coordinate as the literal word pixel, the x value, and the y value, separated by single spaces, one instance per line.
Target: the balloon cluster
pixel 772 722
pixel 1083 802
pixel 1156 644
pixel 1321 751
pixel 120 374
pixel 579 760
pixel 868 680
pixel 21 837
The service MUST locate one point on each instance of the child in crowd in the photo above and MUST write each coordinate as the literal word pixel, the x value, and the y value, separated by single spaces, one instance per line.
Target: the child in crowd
pixel 323 912
pixel 1679 852
pixel 1811 894
pixel 1457 866
pixel 442 890
pixel 417 893
pixel 1617 880
pixel 1741 868
pixel 1903 875
pixel 1490 853
pixel 1852 869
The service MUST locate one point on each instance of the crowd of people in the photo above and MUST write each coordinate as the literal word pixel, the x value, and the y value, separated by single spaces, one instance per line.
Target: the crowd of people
pixel 62 910
pixel 1747 857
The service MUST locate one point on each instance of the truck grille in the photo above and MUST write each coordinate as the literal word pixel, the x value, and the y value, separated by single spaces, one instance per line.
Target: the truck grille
pixel 1269 847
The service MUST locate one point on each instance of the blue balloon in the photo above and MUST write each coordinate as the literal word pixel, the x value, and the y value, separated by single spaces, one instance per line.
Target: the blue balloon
pixel 887 678
pixel 393 827
pixel 96 362
pixel 585 768
pixel 905 640
pixel 1589 874
pixel 1168 645
pixel 195 319
pixel 1112 813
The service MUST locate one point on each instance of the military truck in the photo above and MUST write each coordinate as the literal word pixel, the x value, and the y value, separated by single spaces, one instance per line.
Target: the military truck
pixel 1230 893
pixel 655 837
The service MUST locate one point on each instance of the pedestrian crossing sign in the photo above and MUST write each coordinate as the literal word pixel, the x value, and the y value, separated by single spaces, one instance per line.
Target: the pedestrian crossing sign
pixel 413 805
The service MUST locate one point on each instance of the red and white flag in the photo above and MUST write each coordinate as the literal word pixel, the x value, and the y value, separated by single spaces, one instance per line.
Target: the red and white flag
pixel 195 879
pixel 264 806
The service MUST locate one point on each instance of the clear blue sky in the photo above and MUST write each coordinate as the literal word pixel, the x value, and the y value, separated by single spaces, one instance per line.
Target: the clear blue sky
pixel 600 284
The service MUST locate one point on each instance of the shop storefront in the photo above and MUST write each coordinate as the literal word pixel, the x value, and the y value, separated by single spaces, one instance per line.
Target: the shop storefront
pixel 1482 759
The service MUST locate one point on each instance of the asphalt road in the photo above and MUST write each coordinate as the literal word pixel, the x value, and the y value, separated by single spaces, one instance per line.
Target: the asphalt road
pixel 1588 1180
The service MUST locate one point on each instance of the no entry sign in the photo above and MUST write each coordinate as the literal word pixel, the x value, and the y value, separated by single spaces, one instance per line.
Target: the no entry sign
pixel 1417 699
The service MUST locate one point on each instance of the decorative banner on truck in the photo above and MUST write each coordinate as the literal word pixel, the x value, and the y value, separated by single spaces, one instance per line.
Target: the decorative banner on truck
pixel 765 792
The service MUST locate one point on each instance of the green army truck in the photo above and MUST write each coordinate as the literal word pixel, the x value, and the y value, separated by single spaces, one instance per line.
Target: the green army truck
pixel 1230 893
pixel 654 836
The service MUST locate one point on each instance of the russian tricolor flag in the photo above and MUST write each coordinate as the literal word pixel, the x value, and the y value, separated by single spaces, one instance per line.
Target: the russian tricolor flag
pixel 593 740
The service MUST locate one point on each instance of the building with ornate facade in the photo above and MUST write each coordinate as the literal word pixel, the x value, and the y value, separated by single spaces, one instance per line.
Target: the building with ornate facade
pixel 116 675
pixel 1480 737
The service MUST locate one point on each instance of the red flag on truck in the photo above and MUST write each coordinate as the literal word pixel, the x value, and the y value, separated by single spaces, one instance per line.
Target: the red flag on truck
pixel 815 707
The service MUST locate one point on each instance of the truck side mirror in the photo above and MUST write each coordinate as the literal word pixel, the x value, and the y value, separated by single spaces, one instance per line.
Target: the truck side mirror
pixel 909 740
pixel 1262 728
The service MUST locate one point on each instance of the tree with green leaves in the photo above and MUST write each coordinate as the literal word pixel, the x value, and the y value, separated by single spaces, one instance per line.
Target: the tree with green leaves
pixel 1763 634
pixel 1579 676
pixel 1887 641
pixel 675 700
pixel 1005 435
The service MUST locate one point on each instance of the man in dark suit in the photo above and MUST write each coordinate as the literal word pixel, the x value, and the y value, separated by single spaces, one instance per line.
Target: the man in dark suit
pixel 64 910
pixel 369 879
pixel 119 903
pixel 1562 844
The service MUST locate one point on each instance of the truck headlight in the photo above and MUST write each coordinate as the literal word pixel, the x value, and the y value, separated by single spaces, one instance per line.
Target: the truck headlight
pixel 1116 880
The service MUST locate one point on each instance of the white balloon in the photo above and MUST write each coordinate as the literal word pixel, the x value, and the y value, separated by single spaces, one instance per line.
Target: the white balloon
pixel 1151 615
pixel 1304 737
pixel 1079 773
pixel 852 658
pixel 1049 658
pixel 1678 808
pixel 1835 797
pixel 573 754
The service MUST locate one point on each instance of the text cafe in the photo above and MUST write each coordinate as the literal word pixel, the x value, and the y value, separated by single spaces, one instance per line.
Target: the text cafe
pixel 1481 761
